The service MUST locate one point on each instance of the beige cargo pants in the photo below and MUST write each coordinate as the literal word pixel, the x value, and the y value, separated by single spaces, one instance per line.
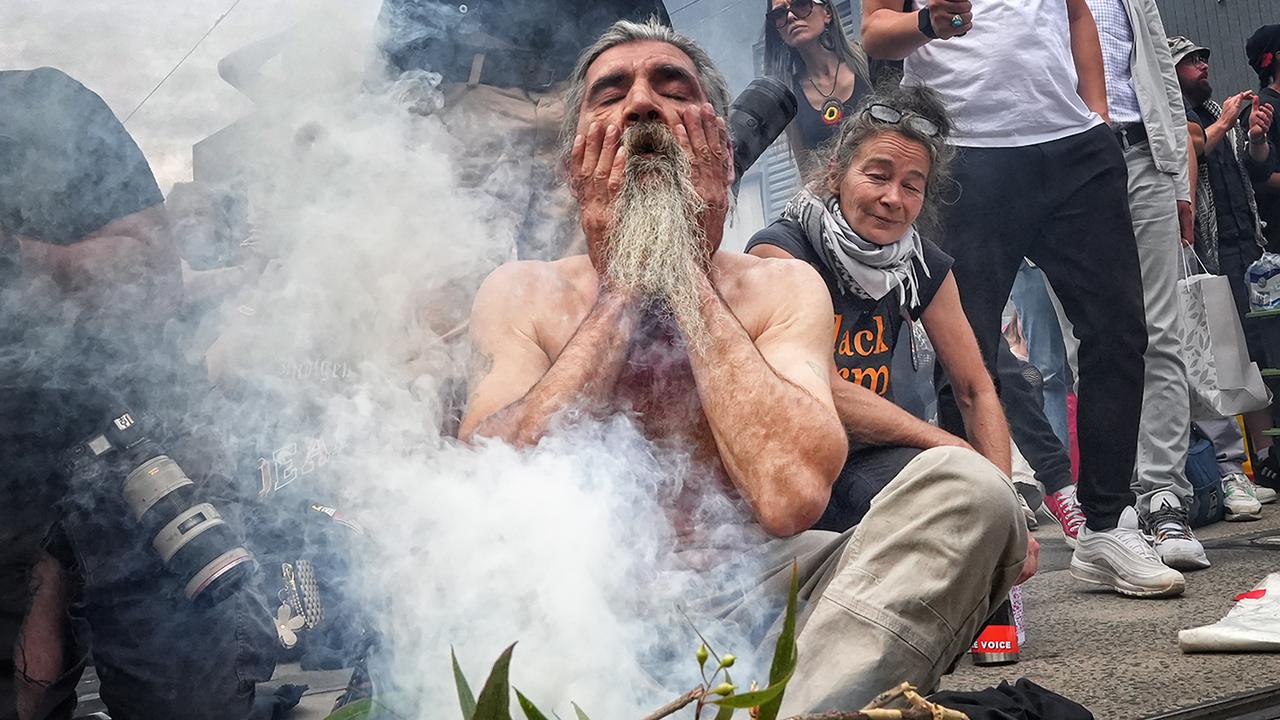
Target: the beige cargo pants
pixel 902 595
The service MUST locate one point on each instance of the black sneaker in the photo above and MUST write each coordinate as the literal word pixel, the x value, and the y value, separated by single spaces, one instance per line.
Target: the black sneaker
pixel 1266 471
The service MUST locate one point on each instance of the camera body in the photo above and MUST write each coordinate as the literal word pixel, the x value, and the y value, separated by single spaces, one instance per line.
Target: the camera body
pixel 190 536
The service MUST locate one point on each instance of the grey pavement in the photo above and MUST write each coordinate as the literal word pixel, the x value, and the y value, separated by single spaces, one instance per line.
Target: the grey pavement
pixel 1119 657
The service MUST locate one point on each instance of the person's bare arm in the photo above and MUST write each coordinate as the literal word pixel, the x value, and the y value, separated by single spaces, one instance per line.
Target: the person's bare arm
pixel 867 417
pixel 889 33
pixel 1195 134
pixel 768 402
pixel 1216 131
pixel 873 420
pixel 516 390
pixel 135 249
pixel 38 649
pixel 958 352
pixel 1086 52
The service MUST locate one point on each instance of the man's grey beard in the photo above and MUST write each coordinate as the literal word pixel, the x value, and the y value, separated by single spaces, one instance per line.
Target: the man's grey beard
pixel 656 244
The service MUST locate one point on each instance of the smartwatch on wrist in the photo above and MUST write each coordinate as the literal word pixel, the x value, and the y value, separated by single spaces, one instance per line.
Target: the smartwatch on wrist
pixel 926 24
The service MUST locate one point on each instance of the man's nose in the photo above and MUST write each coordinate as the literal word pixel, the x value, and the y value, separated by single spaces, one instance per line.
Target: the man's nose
pixel 642 106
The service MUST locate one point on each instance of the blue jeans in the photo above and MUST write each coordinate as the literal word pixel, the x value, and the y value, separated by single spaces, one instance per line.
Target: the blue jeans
pixel 1044 341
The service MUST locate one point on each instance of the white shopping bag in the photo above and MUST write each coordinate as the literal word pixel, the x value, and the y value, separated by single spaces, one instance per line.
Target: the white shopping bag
pixel 1222 379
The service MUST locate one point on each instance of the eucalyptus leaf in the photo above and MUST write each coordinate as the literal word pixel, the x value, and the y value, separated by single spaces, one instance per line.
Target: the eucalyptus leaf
pixel 725 712
pixel 784 652
pixel 531 712
pixel 494 702
pixel 465 699
pixel 358 710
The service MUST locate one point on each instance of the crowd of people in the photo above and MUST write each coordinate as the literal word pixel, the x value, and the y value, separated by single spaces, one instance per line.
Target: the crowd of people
pixel 1056 203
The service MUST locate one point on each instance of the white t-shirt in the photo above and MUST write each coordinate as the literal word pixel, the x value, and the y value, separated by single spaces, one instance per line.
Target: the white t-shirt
pixel 1011 80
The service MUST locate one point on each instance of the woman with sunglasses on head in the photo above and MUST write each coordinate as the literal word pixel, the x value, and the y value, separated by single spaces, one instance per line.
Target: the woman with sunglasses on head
pixel 806 47
pixel 855 223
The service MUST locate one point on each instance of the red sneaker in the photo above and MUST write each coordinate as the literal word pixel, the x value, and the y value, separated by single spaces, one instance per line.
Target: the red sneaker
pixel 1065 508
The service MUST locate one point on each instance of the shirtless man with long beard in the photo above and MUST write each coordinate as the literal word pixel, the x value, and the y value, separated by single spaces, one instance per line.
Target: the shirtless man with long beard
pixel 730 355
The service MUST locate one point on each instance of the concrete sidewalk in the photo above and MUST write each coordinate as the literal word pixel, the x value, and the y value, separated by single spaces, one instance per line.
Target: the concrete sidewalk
pixel 1119 657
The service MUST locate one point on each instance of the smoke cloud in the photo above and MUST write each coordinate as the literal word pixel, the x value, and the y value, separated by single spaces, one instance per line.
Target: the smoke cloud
pixel 354 332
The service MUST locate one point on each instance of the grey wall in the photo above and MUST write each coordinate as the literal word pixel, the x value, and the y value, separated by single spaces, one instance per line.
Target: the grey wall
pixel 727 29
pixel 1222 26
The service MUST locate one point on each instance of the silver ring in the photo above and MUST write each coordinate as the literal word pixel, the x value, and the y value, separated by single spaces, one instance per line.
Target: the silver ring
pixel 957 21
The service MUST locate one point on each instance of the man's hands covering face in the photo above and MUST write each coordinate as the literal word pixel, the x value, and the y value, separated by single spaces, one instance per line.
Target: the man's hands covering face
pixel 596 167
pixel 705 139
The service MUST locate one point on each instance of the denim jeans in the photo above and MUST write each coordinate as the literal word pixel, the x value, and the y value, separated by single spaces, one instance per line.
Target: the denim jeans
pixel 1044 342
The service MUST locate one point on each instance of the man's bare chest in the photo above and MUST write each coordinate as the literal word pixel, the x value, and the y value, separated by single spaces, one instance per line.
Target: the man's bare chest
pixel 658 387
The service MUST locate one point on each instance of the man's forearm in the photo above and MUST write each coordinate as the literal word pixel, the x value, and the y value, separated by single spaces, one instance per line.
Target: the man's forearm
pixel 985 425
pixel 1214 133
pixel 38 650
pixel 873 420
pixel 891 35
pixel 584 375
pixel 1086 52
pixel 778 465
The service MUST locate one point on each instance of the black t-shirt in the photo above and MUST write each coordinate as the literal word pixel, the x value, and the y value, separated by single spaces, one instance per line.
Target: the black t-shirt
pixel 1230 194
pixel 444 36
pixel 1269 200
pixel 813 127
pixel 67 165
pixel 866 330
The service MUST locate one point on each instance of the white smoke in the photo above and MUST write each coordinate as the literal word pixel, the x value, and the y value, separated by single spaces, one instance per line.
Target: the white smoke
pixel 565 549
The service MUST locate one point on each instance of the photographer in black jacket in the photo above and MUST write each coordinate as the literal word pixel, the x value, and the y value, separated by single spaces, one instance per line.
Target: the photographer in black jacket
pixel 89 280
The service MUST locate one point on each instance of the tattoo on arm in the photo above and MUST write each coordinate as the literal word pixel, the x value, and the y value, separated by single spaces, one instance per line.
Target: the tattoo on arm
pixel 481 366
pixel 816 369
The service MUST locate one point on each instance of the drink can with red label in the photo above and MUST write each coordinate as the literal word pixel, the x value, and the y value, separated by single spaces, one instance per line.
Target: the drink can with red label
pixel 999 641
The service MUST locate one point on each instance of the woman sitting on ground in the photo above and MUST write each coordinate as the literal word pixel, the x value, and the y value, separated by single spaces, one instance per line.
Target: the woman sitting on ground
pixel 806 47
pixel 856 224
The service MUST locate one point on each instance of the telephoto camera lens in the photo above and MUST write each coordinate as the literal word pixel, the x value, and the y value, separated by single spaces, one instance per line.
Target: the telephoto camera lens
pixel 756 118
pixel 190 535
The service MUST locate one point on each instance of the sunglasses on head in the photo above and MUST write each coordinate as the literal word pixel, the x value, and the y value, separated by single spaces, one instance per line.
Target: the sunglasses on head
pixel 800 8
pixel 893 116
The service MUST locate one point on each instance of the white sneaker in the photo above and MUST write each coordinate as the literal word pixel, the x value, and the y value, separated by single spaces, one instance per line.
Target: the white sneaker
pixel 1166 524
pixel 1122 560
pixel 1265 495
pixel 1238 495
